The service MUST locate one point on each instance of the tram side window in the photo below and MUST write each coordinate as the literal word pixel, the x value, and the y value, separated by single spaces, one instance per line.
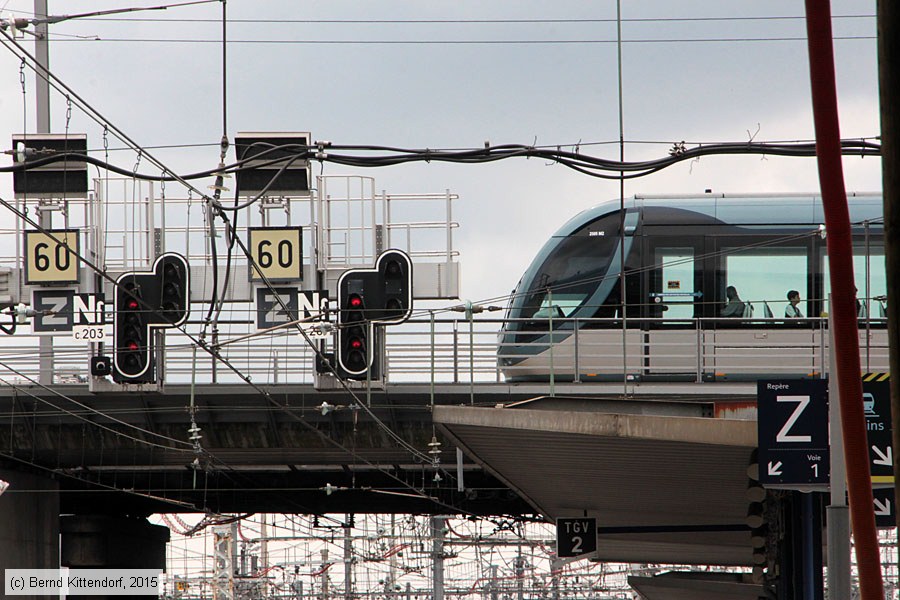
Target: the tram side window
pixel 762 277
pixel 871 284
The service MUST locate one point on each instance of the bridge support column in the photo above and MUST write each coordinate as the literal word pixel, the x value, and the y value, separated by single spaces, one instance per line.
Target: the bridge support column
pixel 101 542
pixel 29 523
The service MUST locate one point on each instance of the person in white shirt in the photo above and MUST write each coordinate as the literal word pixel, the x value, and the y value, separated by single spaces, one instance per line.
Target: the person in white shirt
pixel 792 311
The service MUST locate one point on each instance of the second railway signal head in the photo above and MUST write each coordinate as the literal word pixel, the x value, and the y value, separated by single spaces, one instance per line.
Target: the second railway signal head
pixel 173 289
pixel 395 282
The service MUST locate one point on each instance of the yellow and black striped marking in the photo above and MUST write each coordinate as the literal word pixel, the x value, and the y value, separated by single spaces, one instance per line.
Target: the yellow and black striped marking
pixel 876 377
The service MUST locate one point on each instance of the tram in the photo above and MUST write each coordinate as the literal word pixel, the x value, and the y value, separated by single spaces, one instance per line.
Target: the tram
pixel 706 280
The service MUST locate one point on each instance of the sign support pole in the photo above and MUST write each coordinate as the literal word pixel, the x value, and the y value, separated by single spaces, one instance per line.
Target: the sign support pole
pixel 811 547
pixel 837 512
pixel 42 85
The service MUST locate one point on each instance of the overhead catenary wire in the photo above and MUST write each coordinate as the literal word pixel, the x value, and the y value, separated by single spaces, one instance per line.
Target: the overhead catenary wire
pixel 230 207
pixel 362 156
pixel 450 21
pixel 107 415
pixel 213 459
pixel 17 50
pixel 52 19
pixel 577 145
pixel 503 21
pixel 483 42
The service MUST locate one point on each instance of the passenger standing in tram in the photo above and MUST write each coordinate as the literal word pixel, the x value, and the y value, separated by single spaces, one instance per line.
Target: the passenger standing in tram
pixel 734 306
pixel 792 311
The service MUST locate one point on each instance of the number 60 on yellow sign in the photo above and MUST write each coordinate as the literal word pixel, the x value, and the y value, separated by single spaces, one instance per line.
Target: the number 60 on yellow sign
pixel 51 256
pixel 277 252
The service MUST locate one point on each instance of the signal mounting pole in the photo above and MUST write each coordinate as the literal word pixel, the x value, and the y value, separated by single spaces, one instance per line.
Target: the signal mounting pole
pixel 622 296
pixel 42 114
pixel 42 54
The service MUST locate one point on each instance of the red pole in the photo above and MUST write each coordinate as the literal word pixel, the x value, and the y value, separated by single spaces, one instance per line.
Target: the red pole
pixel 843 296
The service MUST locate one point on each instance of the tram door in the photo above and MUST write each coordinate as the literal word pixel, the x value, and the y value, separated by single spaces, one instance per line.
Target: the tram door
pixel 674 293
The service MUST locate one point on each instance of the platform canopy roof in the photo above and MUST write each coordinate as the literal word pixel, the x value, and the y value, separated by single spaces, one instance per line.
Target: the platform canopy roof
pixel 668 489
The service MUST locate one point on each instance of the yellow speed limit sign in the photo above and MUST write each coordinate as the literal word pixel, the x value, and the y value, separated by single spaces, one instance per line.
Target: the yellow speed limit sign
pixel 51 256
pixel 277 252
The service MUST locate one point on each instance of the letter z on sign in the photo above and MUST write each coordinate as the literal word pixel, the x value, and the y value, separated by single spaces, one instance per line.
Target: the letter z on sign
pixel 793 433
pixel 784 434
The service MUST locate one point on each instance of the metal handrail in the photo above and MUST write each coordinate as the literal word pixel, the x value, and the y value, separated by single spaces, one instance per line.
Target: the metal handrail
pixel 687 350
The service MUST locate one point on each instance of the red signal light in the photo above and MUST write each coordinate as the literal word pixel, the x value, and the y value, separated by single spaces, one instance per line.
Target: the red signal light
pixel 132 304
pixel 133 346
pixel 356 344
pixel 355 301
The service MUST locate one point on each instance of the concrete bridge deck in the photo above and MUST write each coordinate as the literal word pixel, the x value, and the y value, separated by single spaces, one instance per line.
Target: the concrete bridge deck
pixel 276 451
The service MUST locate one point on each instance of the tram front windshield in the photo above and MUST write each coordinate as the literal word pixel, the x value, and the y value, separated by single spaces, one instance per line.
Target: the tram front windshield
pixel 568 273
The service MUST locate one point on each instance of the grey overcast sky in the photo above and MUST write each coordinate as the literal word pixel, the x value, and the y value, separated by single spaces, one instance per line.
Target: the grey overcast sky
pixel 444 74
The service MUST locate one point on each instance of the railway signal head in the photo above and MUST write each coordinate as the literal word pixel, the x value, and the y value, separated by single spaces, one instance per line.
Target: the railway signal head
pixel 132 357
pixel 353 352
pixel 146 301
pixel 367 300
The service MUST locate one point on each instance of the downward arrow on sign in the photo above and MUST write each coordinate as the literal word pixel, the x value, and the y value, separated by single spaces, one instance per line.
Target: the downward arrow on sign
pixel 882 509
pixel 775 469
pixel 886 459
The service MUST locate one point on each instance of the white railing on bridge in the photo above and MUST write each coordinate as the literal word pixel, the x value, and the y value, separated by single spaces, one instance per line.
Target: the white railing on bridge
pixel 455 350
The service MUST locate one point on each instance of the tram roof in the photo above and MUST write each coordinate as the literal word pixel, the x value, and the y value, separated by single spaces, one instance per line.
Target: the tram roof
pixel 739 209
